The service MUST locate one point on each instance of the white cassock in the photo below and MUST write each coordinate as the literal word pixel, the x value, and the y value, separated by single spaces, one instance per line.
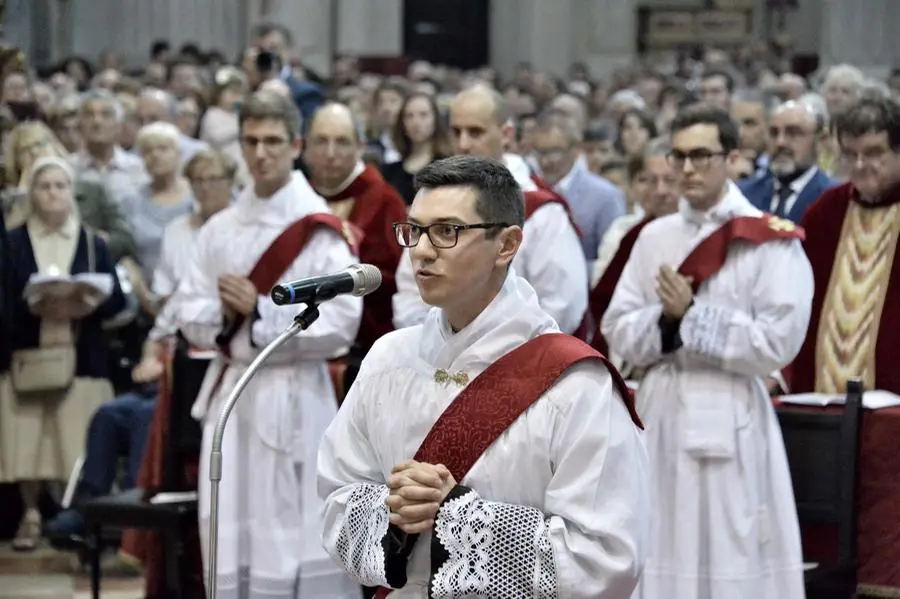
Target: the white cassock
pixel 269 511
pixel 551 259
pixel 558 504
pixel 725 525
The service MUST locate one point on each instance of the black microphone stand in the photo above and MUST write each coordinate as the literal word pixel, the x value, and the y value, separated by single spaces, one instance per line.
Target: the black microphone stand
pixel 301 322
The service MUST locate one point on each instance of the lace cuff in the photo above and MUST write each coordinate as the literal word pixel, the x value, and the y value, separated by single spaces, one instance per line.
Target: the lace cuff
pixel 704 330
pixel 490 549
pixel 374 551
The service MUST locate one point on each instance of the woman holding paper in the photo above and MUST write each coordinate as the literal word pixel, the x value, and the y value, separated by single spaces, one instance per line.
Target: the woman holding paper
pixel 62 279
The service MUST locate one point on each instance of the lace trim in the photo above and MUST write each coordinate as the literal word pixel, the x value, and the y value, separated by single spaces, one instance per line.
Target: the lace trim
pixel 490 549
pixel 704 330
pixel 365 525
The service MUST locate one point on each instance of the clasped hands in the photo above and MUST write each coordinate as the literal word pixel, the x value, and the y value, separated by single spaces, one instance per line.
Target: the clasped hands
pixel 674 291
pixel 238 295
pixel 417 491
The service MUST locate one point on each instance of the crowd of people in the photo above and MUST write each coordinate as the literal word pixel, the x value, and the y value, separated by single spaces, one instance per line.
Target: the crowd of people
pixel 721 228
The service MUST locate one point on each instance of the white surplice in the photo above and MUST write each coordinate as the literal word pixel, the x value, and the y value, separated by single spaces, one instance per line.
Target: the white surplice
pixel 558 504
pixel 269 511
pixel 724 524
pixel 551 259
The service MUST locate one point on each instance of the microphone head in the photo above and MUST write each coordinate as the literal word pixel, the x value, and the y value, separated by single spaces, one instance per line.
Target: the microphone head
pixel 366 279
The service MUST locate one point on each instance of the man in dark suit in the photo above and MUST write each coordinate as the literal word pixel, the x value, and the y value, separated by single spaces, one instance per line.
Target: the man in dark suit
pixel 792 181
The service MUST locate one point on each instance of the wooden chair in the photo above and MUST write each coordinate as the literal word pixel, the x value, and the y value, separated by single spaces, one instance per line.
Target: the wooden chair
pixel 823 453
pixel 174 521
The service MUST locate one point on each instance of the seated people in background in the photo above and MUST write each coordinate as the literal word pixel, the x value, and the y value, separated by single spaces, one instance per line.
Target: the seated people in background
pixel 45 415
pixel 792 181
pixel 522 508
pixel 120 427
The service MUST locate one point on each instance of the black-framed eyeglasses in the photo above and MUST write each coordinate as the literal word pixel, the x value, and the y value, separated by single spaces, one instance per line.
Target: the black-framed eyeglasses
pixel 441 235
pixel 700 158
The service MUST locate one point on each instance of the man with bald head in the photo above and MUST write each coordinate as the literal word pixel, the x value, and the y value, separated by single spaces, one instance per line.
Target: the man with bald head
pixel 792 181
pixel 357 193
pixel 157 105
pixel 551 258
pixel 595 202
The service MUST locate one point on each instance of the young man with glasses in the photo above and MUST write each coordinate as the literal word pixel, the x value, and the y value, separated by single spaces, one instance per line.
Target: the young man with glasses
pixel 532 474
pixel 852 233
pixel 551 258
pixel 278 230
pixel 713 299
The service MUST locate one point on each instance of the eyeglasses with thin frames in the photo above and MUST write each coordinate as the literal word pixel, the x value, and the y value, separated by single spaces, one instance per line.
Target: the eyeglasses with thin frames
pixel 442 235
pixel 700 158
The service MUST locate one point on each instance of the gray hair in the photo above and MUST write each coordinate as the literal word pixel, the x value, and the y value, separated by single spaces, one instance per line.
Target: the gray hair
pixel 808 107
pixel 105 96
pixel 844 71
pixel 816 103
pixel 660 146
pixel 154 94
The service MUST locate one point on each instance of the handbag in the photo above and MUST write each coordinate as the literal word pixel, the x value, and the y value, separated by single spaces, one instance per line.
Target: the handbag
pixel 48 369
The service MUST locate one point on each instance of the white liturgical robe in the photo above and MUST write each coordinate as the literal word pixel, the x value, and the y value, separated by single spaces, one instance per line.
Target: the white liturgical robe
pixel 725 525
pixel 555 508
pixel 269 511
pixel 551 259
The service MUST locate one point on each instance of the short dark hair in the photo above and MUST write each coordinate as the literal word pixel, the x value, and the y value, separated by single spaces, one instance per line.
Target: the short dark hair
pixel 499 198
pixel 704 114
pixel 729 79
pixel 269 105
pixel 870 116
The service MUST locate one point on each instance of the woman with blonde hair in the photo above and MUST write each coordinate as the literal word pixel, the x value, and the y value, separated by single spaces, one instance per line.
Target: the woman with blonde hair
pixel 31 141
pixel 59 363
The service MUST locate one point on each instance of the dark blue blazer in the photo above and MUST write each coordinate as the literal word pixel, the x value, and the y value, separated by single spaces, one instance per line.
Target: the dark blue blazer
pixel 760 191
pixel 91 345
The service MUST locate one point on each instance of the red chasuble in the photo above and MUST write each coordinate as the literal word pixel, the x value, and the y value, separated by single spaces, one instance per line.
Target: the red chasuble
pixel 835 218
pixel 144 545
pixel 376 207
pixel 602 294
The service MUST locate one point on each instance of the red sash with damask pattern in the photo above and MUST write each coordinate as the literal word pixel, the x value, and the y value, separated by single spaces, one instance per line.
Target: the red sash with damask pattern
pixel 602 294
pixel 496 398
pixel 710 254
pixel 276 260
pixel 501 393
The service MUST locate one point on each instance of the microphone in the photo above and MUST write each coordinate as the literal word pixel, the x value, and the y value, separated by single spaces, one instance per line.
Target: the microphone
pixel 357 280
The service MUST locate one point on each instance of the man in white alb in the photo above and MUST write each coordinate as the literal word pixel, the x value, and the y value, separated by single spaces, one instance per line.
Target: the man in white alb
pixel 713 299
pixel 269 513
pixel 553 500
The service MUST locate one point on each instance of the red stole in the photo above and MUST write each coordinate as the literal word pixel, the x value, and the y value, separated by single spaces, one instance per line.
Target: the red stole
pixel 710 254
pixel 534 200
pixel 602 294
pixel 825 220
pixel 495 399
pixel 376 207
pixel 274 262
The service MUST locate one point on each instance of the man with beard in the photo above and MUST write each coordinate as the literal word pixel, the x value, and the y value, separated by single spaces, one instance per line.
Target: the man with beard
pixel 793 181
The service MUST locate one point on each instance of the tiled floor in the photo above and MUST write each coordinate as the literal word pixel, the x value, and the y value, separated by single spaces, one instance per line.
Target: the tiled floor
pixel 48 574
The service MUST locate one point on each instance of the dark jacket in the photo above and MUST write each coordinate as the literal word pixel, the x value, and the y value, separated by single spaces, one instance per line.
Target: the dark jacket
pixel 91 345
pixel 760 191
